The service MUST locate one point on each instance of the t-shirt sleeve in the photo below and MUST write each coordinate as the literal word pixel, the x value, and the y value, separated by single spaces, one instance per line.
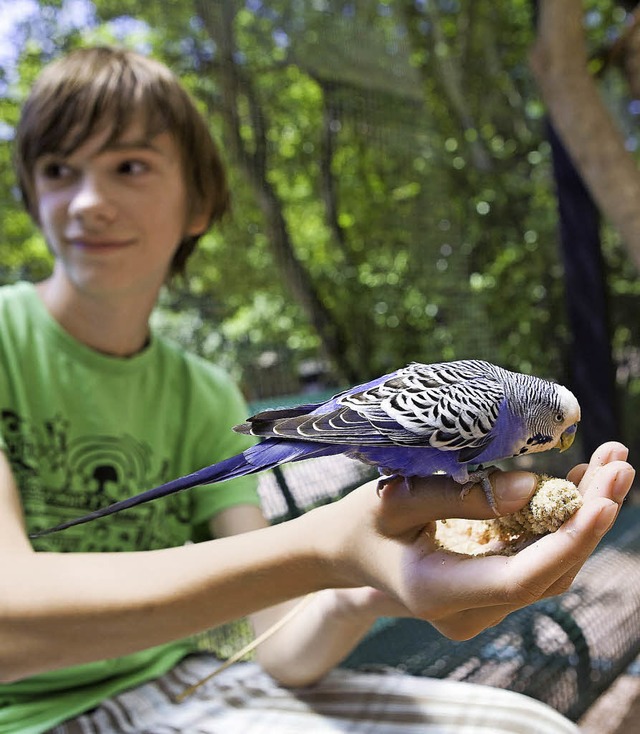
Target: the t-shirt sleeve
pixel 226 408
pixel 3 394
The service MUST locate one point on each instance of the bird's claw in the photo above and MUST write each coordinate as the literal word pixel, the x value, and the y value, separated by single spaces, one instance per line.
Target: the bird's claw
pixel 481 477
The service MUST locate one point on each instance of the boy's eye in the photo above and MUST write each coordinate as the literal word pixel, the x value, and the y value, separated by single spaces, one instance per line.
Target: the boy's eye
pixel 55 170
pixel 132 167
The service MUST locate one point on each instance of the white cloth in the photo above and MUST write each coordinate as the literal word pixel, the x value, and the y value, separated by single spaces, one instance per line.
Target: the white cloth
pixel 245 700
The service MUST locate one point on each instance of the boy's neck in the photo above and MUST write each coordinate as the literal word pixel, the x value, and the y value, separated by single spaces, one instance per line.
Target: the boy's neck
pixel 114 325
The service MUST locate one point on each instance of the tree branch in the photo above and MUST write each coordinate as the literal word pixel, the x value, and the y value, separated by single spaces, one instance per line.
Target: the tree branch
pixel 235 83
pixel 559 63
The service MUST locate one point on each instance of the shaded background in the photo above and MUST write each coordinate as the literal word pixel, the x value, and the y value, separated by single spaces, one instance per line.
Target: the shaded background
pixel 397 192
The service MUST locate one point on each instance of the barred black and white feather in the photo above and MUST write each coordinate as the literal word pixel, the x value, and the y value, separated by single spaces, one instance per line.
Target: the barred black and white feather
pixel 422 419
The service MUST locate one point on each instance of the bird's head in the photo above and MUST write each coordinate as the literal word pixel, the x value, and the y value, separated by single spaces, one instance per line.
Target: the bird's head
pixel 566 418
pixel 553 419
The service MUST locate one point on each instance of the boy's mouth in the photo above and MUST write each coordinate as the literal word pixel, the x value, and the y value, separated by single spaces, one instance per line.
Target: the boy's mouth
pixel 103 245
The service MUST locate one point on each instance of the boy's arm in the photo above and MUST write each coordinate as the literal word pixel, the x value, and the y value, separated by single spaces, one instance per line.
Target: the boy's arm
pixel 57 610
pixel 61 609
pixel 326 629
pixel 323 632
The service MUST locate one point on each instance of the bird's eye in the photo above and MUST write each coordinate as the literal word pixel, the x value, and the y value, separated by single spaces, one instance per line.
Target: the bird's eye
pixel 559 417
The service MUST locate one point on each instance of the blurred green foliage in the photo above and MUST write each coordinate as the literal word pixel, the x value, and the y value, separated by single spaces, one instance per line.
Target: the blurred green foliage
pixel 405 146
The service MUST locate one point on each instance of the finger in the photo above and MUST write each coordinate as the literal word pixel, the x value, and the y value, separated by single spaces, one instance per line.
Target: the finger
pixel 576 474
pixel 421 500
pixel 612 480
pixel 612 484
pixel 558 557
pixel 493 586
pixel 604 454
pixel 554 560
pixel 522 579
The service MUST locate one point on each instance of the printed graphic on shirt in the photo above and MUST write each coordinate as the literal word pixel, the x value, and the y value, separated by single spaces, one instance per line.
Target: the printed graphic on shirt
pixel 61 477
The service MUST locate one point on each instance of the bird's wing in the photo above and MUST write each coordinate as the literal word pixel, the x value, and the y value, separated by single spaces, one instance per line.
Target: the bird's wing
pixel 267 417
pixel 451 406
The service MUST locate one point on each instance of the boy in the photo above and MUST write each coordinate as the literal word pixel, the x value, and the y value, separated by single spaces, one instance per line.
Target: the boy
pixel 118 170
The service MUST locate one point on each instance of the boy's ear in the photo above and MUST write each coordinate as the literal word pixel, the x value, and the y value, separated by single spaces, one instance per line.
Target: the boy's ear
pixel 198 224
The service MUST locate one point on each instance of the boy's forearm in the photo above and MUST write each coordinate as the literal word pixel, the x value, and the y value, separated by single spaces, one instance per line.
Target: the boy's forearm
pixel 304 638
pixel 321 633
pixel 62 609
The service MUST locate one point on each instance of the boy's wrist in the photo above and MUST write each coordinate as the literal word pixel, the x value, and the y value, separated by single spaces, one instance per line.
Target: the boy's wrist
pixel 321 540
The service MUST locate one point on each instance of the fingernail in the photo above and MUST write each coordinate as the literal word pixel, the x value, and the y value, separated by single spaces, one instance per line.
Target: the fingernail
pixel 606 518
pixel 513 489
pixel 620 487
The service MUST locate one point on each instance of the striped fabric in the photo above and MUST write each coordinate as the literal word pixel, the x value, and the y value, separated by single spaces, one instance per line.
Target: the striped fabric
pixel 245 700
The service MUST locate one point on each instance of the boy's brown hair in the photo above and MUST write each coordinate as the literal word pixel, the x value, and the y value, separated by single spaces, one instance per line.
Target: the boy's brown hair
pixel 91 89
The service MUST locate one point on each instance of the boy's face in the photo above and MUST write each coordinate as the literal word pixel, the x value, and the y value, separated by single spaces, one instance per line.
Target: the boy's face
pixel 113 215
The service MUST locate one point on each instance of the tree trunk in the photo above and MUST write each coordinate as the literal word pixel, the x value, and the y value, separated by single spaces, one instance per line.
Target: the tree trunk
pixel 218 19
pixel 579 115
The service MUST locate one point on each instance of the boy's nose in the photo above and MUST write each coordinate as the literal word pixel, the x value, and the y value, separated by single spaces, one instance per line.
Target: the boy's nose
pixel 91 200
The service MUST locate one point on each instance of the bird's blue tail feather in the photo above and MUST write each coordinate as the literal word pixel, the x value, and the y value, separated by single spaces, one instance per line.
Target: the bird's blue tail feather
pixel 260 457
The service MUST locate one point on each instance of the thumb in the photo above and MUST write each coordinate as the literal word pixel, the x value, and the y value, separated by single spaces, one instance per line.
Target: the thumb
pixel 439 497
pixel 511 490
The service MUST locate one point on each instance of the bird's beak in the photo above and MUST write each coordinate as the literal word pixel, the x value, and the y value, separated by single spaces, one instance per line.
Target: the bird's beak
pixel 567 438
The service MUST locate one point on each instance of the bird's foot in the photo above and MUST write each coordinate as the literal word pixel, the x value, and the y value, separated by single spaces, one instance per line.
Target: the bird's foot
pixel 481 477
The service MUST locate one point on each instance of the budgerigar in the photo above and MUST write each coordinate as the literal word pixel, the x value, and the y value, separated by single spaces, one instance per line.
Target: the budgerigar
pixel 423 419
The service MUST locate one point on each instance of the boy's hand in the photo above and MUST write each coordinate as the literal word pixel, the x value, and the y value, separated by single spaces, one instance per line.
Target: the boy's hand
pixel 391 546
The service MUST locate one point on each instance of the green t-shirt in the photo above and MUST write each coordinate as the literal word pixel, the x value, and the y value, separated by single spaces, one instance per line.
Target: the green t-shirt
pixel 82 430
